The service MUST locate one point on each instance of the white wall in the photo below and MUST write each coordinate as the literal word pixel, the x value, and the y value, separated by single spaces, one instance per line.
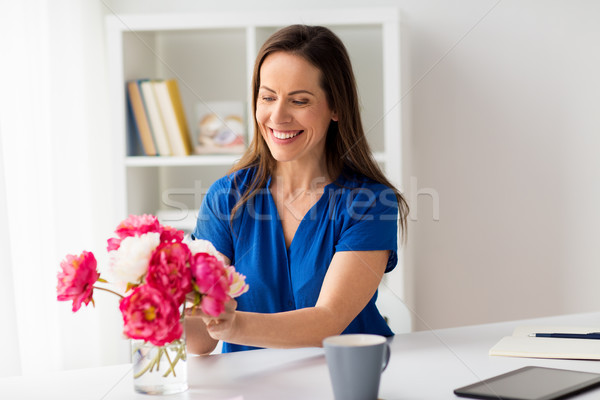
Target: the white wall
pixel 505 128
pixel 501 125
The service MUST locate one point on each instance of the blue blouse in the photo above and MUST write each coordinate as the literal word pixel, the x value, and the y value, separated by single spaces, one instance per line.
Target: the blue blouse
pixel 353 214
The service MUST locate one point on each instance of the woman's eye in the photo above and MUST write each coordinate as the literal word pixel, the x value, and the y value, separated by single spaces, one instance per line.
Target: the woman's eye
pixel 267 98
pixel 299 102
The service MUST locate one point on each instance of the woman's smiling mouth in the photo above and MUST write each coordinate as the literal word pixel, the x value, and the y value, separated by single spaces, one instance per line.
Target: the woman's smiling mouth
pixel 285 135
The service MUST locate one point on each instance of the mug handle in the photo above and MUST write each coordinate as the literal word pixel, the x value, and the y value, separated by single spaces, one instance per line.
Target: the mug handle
pixel 386 357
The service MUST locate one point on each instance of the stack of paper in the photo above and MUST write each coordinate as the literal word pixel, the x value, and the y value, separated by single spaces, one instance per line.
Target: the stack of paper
pixel 520 344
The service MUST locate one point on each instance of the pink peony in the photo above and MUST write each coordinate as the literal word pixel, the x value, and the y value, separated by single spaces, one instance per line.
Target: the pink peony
pixel 151 262
pixel 169 234
pixel 211 282
pixel 113 244
pixel 151 315
pixel 211 306
pixel 134 225
pixel 237 282
pixel 169 270
pixel 137 225
pixel 77 278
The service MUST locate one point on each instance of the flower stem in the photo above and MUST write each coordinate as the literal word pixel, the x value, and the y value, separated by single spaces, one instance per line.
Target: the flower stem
pixel 108 290
pixel 171 363
pixel 158 358
pixel 154 363
pixel 147 367
pixel 180 356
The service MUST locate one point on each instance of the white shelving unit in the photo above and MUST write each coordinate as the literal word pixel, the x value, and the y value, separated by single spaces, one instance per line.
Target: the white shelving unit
pixel 212 57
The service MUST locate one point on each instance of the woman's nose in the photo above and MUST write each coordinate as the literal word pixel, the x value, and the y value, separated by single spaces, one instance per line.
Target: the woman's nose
pixel 280 113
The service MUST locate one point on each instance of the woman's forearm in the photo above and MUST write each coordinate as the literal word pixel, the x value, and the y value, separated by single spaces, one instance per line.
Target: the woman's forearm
pixel 197 338
pixel 306 327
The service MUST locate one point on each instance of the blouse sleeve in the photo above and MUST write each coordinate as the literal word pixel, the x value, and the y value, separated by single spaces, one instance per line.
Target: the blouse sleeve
pixel 369 218
pixel 213 223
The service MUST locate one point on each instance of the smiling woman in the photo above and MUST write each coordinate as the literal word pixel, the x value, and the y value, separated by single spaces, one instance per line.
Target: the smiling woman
pixel 306 215
pixel 291 109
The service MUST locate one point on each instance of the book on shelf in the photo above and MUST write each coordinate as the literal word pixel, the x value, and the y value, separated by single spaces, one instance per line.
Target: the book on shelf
pixel 155 118
pixel 171 107
pixel 140 118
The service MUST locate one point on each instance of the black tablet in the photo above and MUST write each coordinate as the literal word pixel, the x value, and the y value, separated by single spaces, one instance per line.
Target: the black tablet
pixel 531 383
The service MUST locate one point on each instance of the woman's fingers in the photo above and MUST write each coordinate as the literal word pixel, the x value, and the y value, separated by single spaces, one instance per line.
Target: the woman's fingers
pixel 222 326
pixel 231 305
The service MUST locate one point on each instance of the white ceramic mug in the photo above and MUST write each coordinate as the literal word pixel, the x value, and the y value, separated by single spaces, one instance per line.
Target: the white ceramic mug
pixel 355 363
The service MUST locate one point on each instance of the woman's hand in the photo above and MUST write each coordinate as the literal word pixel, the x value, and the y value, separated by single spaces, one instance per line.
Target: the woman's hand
pixel 221 327
pixel 197 336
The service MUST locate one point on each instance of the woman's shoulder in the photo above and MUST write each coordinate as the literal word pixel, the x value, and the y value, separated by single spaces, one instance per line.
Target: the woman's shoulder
pixel 355 182
pixel 358 192
pixel 236 180
pixel 357 198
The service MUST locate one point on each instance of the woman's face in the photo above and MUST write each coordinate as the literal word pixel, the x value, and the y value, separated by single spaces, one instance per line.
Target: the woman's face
pixel 291 108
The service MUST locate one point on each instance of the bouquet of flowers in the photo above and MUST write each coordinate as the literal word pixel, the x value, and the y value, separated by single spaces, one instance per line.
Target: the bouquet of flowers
pixel 153 270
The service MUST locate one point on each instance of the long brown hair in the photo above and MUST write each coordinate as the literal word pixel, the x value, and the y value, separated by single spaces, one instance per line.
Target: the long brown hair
pixel 346 147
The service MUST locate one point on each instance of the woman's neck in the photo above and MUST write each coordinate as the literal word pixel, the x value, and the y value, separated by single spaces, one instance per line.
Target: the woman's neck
pixel 292 177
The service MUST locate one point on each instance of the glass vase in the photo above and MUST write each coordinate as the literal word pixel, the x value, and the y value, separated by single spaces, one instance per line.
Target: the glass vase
pixel 159 369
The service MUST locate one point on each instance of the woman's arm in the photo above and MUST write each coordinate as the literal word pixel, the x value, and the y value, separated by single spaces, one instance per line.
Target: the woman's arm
pixel 198 341
pixel 350 282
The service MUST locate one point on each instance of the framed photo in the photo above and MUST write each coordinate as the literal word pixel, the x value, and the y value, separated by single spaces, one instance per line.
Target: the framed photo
pixel 220 128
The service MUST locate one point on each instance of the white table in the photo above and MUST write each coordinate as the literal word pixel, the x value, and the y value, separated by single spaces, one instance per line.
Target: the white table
pixel 424 365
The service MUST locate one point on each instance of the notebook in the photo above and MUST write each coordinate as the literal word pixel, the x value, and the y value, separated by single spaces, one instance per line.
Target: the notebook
pixel 520 344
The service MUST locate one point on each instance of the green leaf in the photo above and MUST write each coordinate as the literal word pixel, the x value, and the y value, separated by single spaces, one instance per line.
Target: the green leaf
pixel 131 286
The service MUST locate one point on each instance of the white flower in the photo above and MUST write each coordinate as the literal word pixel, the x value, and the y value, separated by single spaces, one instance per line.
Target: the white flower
pixel 129 263
pixel 203 246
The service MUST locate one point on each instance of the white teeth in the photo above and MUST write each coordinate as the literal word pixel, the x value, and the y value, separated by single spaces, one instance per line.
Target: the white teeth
pixel 283 135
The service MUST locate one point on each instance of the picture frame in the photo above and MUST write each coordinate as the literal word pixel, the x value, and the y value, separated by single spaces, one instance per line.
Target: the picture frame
pixel 220 128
